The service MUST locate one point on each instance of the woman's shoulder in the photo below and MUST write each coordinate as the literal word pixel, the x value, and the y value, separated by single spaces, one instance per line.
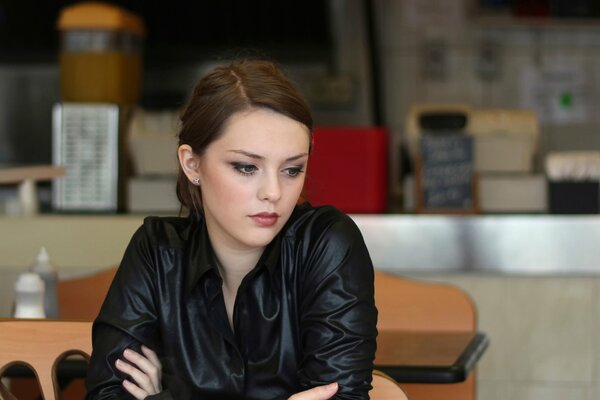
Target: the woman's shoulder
pixel 320 222
pixel 325 239
pixel 168 231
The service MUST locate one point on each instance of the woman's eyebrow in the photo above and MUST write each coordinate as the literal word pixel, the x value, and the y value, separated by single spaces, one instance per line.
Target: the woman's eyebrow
pixel 294 158
pixel 247 154
pixel 259 157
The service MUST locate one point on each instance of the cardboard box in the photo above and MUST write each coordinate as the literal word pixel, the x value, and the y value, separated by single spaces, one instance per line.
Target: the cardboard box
pixel 505 139
pixel 153 195
pixel 500 193
pixel 153 142
pixel 504 153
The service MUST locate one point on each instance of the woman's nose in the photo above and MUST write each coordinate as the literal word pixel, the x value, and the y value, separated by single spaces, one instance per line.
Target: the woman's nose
pixel 270 189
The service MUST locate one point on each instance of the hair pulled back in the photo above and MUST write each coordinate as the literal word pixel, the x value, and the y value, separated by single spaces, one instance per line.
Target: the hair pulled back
pixel 225 91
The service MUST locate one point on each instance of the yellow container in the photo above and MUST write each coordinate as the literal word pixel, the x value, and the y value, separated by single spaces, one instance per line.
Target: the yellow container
pixel 101 53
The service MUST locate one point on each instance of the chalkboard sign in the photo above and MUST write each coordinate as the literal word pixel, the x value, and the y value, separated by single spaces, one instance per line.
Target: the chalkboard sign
pixel 446 179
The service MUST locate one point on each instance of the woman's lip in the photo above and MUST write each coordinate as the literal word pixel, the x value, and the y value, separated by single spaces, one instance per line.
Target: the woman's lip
pixel 265 218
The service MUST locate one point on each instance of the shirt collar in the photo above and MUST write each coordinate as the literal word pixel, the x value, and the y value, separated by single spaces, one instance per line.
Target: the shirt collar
pixel 270 257
pixel 202 258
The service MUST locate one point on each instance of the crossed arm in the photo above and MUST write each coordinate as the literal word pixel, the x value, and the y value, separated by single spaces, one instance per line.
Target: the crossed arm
pixel 145 372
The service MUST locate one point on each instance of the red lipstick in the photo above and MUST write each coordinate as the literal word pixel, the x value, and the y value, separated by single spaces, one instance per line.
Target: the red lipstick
pixel 265 219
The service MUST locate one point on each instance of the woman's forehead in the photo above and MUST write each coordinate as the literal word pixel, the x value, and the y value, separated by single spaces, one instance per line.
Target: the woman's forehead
pixel 263 127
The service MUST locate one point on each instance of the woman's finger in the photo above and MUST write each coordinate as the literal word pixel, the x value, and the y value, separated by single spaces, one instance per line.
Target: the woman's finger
pixel 141 379
pixel 324 392
pixel 151 371
pixel 151 355
pixel 153 358
pixel 134 390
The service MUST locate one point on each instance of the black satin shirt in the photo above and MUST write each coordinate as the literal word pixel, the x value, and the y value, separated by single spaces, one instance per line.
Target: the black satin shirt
pixel 304 316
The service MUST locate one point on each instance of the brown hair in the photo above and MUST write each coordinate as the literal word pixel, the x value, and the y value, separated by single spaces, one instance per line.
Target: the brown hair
pixel 226 90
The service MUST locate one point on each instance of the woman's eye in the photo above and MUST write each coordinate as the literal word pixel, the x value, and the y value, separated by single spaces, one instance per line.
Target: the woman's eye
pixel 294 171
pixel 244 169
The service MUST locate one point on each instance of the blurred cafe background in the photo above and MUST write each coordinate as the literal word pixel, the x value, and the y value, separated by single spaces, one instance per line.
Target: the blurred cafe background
pixel 462 136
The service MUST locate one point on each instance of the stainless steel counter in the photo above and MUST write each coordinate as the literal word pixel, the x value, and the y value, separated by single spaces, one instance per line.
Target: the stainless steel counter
pixel 515 244
pixel 503 244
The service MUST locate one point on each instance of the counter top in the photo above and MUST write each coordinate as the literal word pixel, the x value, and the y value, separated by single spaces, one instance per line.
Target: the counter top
pixel 511 244
pixel 398 243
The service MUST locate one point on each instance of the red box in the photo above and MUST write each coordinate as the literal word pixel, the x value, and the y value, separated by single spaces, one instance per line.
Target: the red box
pixel 348 168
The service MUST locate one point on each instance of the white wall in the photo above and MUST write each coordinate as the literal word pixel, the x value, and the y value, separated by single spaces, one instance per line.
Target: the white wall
pixel 543 332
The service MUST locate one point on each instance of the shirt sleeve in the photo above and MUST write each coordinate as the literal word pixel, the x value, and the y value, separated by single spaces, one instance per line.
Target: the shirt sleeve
pixel 127 319
pixel 338 317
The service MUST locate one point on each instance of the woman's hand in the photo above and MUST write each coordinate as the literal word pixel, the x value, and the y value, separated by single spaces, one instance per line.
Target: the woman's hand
pixel 324 392
pixel 145 371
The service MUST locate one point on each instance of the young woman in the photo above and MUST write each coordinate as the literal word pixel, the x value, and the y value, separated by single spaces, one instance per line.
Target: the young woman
pixel 254 295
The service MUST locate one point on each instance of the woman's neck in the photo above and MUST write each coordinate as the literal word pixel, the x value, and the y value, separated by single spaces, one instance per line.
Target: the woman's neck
pixel 234 265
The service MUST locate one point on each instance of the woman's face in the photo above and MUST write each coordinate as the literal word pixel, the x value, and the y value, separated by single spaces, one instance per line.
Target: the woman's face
pixel 251 178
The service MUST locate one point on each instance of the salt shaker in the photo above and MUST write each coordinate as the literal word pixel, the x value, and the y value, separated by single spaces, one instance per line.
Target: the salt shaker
pixel 29 296
pixel 44 268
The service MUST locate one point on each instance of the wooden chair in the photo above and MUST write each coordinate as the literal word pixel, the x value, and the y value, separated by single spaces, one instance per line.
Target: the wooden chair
pixel 81 298
pixel 41 344
pixel 385 388
pixel 408 304
pixel 78 299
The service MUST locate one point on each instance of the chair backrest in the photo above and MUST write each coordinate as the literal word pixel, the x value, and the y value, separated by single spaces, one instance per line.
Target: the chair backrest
pixel 78 299
pixel 385 388
pixel 410 304
pixel 81 298
pixel 41 344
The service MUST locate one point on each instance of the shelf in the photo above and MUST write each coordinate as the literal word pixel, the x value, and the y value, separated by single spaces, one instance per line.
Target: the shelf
pixel 509 22
pixel 11 175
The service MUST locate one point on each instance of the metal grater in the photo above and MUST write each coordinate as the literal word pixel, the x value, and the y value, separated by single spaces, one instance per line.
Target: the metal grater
pixel 85 142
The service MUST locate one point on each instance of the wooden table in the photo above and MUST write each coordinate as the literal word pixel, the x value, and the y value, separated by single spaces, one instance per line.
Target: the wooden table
pixel 429 357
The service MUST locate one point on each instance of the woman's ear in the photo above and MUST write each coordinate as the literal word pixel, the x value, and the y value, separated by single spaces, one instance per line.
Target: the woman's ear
pixel 189 161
